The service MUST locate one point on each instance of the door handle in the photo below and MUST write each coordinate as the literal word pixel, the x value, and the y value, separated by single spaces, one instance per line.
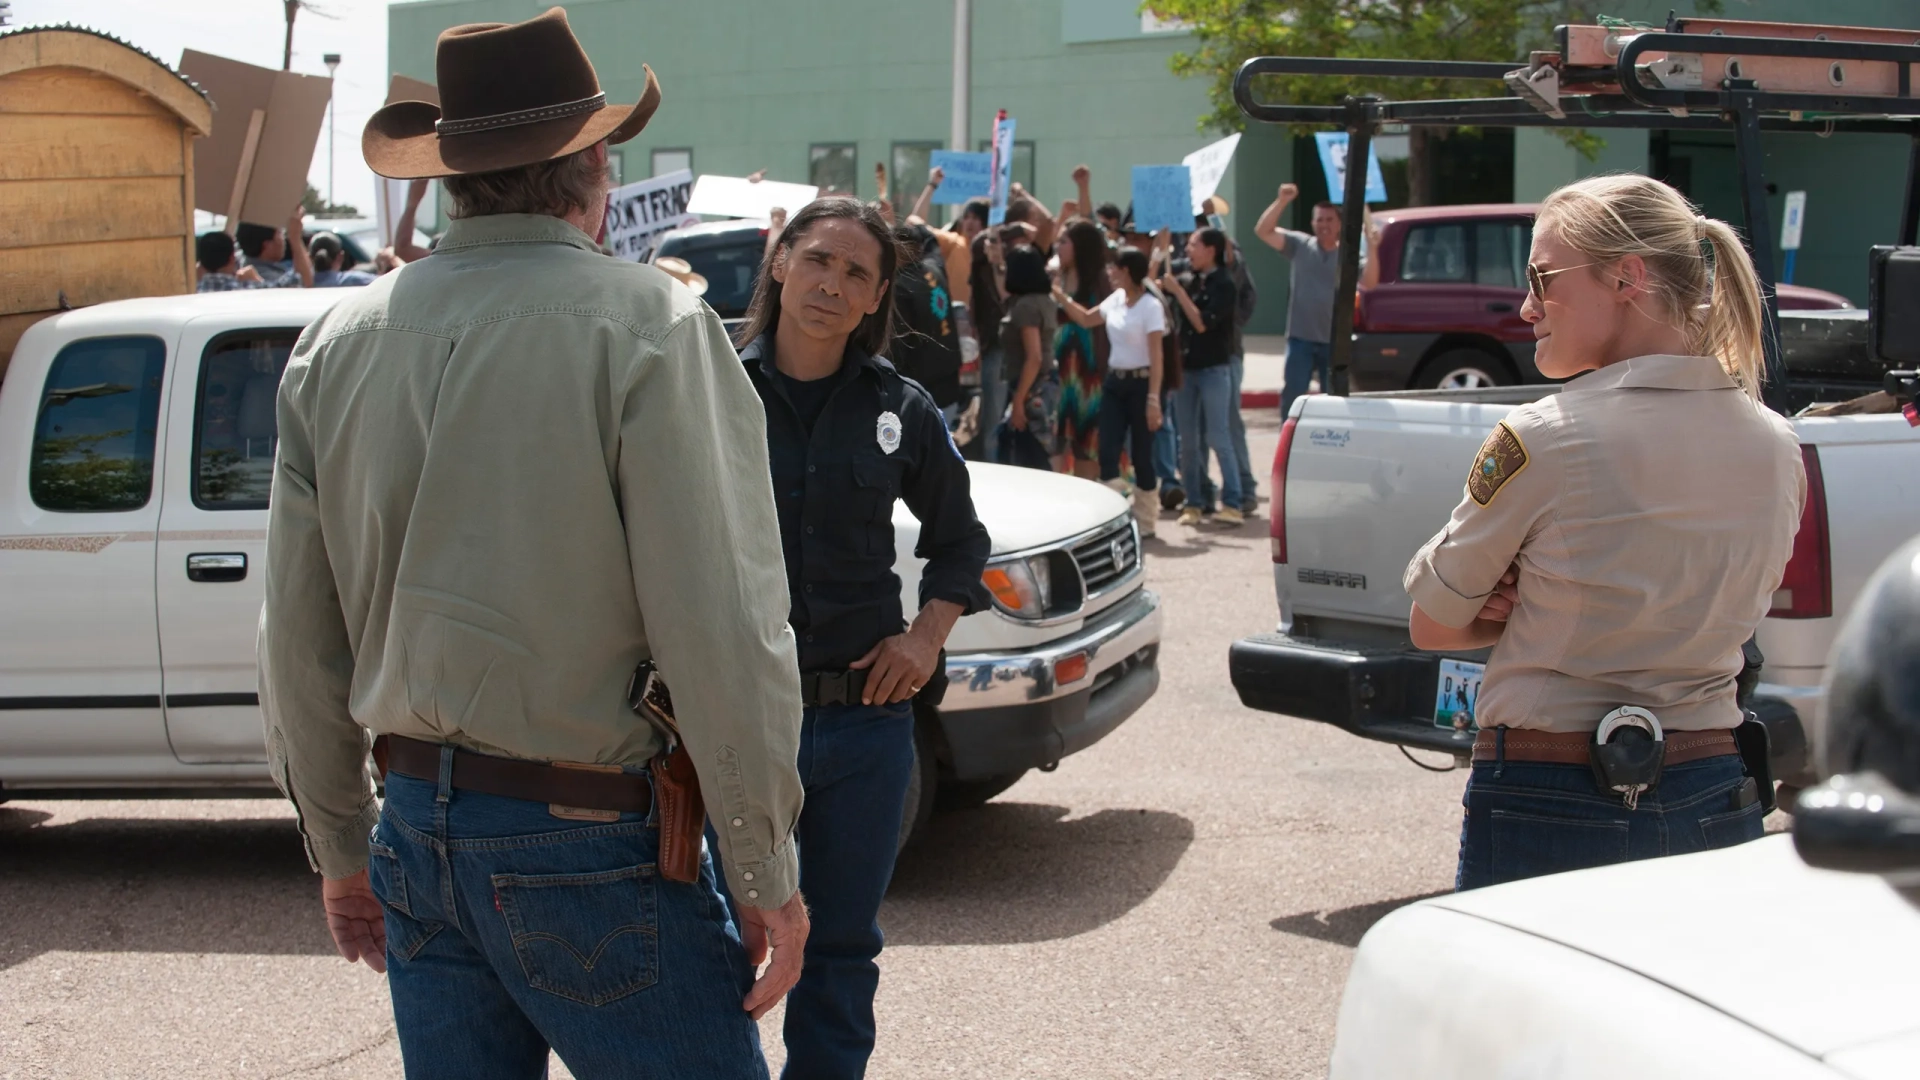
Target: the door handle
pixel 217 567
pixel 1500 306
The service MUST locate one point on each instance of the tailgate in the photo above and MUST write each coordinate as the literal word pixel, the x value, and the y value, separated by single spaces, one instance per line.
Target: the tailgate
pixel 1368 480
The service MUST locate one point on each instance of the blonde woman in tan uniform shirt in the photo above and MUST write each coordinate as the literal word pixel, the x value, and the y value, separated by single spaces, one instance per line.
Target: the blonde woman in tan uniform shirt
pixel 1618 541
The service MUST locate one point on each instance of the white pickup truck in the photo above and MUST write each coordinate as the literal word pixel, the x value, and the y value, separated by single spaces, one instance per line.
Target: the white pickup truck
pixel 136 449
pixel 1361 482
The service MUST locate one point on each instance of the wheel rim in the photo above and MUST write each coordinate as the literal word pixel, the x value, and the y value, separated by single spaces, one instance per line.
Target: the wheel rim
pixel 1467 378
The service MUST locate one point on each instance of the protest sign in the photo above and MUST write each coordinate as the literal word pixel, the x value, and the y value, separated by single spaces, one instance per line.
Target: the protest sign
pixel 967 176
pixel 639 212
pixel 1208 166
pixel 1333 161
pixel 1162 198
pixel 1002 179
pixel 736 196
pixel 266 124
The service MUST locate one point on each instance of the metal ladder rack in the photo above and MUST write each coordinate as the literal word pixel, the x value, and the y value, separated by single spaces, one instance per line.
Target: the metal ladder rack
pixel 1696 74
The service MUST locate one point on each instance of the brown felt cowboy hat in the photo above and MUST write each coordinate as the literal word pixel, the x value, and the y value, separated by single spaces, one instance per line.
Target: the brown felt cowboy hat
pixel 511 94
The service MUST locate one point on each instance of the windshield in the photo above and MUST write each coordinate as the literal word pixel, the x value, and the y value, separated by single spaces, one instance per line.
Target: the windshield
pixel 729 263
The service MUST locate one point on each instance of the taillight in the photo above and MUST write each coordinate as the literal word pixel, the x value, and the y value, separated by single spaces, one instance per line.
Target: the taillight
pixel 1277 511
pixel 1806 590
pixel 1359 310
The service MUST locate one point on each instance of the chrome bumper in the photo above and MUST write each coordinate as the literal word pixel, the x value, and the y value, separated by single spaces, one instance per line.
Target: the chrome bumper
pixel 986 680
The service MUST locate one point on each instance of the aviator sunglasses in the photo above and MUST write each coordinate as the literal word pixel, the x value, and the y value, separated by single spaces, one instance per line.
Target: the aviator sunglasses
pixel 1537 278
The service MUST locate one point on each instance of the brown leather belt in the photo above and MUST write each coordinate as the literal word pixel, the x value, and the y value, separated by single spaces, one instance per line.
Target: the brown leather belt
pixel 1570 747
pixel 589 787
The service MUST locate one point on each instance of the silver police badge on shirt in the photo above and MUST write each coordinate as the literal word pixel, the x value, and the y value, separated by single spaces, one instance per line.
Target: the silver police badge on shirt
pixel 887 432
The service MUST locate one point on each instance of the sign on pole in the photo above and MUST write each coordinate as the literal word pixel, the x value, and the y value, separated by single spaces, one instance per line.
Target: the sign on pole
pixel 1791 226
pixel 1333 161
pixel 1162 198
pixel 1002 181
pixel 965 176
pixel 639 212
pixel 1208 166
pixel 266 124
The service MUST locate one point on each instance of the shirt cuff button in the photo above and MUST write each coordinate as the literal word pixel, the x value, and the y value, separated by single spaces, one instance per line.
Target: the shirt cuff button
pixel 753 894
pixel 739 822
pixel 746 875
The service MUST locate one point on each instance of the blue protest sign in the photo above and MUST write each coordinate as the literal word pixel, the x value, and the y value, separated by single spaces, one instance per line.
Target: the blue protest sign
pixel 1002 181
pixel 1333 161
pixel 1163 198
pixel 967 176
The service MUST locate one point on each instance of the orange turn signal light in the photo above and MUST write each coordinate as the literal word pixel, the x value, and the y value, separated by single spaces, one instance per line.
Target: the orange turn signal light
pixel 1001 586
pixel 1070 669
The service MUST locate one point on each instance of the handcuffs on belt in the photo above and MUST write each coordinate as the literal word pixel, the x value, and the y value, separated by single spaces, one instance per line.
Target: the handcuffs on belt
pixel 1628 752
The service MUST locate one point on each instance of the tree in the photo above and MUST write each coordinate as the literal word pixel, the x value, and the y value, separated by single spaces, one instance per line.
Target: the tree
pixel 313 203
pixel 1230 32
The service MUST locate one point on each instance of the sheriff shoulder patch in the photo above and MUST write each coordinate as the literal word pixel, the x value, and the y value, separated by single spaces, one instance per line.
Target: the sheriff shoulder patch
pixel 1501 458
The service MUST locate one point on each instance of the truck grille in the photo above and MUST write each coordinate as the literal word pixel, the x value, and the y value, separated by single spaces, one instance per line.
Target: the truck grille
pixel 1108 557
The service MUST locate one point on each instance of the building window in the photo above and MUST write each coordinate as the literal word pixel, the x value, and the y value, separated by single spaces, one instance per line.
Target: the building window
pixel 99 416
pixel 831 168
pixel 617 167
pixel 1022 161
pixel 672 160
pixel 235 431
pixel 912 161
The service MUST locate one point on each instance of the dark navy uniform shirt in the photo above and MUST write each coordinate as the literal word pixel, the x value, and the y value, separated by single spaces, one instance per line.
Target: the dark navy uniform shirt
pixel 877 437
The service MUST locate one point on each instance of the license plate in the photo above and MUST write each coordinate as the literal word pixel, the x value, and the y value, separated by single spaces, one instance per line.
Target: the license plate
pixel 1456 695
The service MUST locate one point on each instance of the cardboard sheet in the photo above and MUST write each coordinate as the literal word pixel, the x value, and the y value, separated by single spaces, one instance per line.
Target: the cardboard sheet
pixel 295 106
pixel 735 196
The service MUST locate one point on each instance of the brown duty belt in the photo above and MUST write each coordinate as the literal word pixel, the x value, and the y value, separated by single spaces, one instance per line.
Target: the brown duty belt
pixel 1570 747
pixel 589 787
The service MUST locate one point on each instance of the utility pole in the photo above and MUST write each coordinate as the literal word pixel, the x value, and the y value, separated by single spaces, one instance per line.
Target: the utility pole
pixel 961 124
pixel 332 60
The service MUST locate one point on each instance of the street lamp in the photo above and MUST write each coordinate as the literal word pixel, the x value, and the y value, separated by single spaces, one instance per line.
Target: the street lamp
pixel 332 60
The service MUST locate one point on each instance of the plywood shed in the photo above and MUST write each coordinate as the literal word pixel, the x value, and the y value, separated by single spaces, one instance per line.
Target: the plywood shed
pixel 96 175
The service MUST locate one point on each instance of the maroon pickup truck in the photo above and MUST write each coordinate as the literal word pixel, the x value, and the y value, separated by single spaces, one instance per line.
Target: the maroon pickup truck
pixel 1446 309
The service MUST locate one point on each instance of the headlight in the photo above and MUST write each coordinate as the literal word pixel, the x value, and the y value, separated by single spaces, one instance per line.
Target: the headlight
pixel 1023 588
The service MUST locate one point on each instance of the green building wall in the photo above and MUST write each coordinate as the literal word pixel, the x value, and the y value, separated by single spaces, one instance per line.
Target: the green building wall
pixel 750 84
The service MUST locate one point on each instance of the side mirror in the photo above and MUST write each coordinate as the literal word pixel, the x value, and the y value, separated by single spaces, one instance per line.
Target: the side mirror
pixel 1893 305
pixel 1860 823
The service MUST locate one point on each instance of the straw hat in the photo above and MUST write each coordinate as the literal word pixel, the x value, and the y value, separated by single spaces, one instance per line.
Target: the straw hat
pixel 683 270
pixel 511 94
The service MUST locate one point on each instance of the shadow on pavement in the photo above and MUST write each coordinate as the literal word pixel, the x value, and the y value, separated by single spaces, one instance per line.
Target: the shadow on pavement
pixel 1347 925
pixel 1011 872
pixel 156 885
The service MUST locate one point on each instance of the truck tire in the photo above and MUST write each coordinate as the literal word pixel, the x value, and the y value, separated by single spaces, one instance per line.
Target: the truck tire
pixel 1463 369
pixel 967 794
pixel 923 783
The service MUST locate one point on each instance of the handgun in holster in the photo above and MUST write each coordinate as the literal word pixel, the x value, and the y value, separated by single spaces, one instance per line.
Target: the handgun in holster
pixel 678 808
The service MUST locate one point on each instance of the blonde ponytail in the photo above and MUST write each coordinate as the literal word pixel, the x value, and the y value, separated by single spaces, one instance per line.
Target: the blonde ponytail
pixel 1698 272
pixel 1734 319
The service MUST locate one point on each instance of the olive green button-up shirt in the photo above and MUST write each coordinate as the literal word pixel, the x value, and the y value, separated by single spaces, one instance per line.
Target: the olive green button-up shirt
pixel 506 475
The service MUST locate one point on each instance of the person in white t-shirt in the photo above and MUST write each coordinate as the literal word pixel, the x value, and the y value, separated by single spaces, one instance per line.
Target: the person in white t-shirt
pixel 1136 321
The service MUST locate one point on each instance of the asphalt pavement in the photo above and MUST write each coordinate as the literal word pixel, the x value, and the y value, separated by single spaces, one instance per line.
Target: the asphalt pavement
pixel 1181 900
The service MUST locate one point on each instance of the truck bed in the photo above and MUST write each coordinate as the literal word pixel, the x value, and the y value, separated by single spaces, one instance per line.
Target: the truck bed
pixel 1369 478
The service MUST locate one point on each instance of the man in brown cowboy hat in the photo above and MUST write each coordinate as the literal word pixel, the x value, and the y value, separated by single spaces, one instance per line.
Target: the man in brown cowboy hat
pixel 509 475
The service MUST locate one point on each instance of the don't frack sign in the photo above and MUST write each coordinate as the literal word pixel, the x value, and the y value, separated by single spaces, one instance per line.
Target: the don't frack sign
pixel 638 213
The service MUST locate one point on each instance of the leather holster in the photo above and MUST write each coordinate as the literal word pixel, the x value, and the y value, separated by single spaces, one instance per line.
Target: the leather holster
pixel 681 813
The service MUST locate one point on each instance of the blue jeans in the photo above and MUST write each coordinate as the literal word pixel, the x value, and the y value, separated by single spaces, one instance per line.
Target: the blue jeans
pixel 1123 425
pixel 855 762
pixel 1201 403
pixel 1237 428
pixel 510 930
pixel 1166 442
pixel 1525 819
pixel 1304 360
pixel 993 399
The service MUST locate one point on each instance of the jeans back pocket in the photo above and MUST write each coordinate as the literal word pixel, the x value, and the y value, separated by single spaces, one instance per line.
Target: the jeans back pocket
pixel 1530 845
pixel 592 938
pixel 1732 827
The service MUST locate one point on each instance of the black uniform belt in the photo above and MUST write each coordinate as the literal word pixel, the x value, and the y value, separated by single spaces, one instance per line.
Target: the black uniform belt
pixel 832 687
pixel 591 787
